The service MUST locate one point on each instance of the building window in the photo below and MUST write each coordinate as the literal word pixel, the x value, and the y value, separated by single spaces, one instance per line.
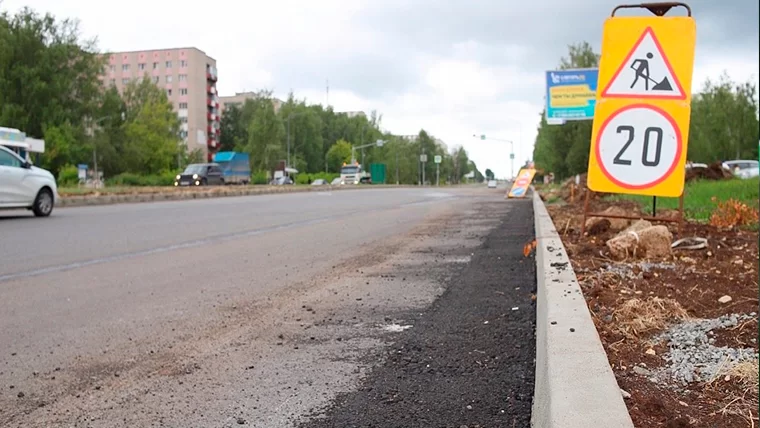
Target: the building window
pixel 183 64
pixel 113 81
pixel 155 65
pixel 113 68
pixel 141 66
pixel 182 77
pixel 169 92
pixel 183 91
pixel 183 119
pixel 168 64
pixel 125 67
pixel 169 79
pixel 124 81
pixel 155 79
pixel 183 135
pixel 183 106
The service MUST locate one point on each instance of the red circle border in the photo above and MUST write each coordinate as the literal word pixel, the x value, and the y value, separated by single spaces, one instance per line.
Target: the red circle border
pixel 679 149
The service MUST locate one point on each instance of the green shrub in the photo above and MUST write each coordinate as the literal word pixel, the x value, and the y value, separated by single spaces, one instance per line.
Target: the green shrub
pixel 68 176
pixel 259 177
pixel 165 178
pixel 304 178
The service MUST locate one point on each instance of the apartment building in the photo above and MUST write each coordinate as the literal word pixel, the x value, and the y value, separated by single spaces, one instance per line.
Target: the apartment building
pixel 239 99
pixel 189 78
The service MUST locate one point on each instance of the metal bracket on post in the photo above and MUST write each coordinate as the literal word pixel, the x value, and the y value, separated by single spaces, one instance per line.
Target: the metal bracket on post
pixel 657 9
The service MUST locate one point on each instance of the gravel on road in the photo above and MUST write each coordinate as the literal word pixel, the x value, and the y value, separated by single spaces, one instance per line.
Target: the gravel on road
pixel 468 360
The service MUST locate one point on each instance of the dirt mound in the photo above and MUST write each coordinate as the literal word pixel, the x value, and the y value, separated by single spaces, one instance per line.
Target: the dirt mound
pixel 714 171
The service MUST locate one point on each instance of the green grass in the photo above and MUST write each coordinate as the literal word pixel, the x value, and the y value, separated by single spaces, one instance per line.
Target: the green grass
pixel 698 204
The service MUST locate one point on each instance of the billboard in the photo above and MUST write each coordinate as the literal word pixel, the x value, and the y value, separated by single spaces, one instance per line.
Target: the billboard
pixel 570 94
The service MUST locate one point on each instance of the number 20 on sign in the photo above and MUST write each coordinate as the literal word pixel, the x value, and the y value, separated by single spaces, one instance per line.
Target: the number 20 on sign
pixel 641 124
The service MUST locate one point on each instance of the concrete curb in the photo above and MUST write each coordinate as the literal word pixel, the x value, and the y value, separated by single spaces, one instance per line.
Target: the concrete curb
pixel 79 201
pixel 575 386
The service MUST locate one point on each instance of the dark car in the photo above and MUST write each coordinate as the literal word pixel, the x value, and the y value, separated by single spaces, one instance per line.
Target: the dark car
pixel 200 174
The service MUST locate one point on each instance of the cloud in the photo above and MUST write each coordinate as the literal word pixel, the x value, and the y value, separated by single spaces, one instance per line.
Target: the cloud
pixel 455 68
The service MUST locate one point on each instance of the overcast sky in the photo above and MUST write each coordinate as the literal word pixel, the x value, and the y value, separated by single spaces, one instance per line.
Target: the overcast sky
pixel 454 68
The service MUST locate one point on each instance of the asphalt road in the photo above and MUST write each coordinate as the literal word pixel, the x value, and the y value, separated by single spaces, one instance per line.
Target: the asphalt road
pixel 217 312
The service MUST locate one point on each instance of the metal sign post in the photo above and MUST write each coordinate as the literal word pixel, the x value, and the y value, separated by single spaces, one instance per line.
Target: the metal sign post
pixel 423 160
pixel 438 160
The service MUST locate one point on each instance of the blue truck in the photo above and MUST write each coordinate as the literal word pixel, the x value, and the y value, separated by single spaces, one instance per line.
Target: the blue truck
pixel 236 167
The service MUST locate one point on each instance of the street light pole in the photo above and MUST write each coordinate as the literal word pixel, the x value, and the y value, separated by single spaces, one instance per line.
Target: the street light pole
pixel 290 116
pixel 95 177
pixel 511 149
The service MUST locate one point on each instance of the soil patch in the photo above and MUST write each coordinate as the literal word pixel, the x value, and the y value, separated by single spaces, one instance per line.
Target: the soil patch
pixel 682 349
pixel 469 360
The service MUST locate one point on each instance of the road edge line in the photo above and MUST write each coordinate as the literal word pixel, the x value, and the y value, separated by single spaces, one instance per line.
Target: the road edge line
pixel 575 386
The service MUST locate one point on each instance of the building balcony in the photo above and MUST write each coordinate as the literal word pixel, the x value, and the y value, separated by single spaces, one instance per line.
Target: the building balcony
pixel 212 117
pixel 211 74
pixel 212 143
pixel 211 89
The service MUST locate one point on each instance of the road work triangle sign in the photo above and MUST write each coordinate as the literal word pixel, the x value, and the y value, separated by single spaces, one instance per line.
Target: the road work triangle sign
pixel 645 73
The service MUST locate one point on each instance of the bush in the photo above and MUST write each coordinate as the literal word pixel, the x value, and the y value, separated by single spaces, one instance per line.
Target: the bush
pixel 259 177
pixel 68 176
pixel 165 178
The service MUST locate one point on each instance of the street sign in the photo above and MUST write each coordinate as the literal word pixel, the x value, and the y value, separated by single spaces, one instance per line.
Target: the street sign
pixel 423 158
pixel 640 132
pixel 638 147
pixel 438 159
pixel 521 184
pixel 633 79
pixel 570 95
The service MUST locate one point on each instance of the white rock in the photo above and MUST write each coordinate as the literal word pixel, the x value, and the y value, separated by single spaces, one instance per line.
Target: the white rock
pixel 625 393
pixel 725 299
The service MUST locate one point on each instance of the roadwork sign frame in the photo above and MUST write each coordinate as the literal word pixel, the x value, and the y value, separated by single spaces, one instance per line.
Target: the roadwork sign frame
pixel 628 48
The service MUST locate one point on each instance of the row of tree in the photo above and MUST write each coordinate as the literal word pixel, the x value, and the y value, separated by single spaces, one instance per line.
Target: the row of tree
pixel 51 88
pixel 724 124
pixel 316 139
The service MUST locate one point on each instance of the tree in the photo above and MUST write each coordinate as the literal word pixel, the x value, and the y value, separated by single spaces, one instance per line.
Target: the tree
pixel 489 174
pixel 48 80
pixel 234 132
pixel 265 132
pixel 724 123
pixel 339 153
pixel 59 146
pixel 151 129
pixel 108 129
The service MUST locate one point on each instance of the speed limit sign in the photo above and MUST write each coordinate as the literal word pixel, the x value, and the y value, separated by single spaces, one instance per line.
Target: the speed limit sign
pixel 638 146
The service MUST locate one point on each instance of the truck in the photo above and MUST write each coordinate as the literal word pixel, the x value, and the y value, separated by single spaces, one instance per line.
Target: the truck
pixel 354 174
pixel 236 167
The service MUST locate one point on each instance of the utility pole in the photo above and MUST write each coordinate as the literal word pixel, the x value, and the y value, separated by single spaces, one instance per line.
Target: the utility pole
pixel 290 116
pixel 397 182
pixel 423 158
pixel 287 162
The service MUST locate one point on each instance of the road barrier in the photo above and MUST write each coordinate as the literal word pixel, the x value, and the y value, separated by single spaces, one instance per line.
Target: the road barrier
pixel 575 386
pixel 185 194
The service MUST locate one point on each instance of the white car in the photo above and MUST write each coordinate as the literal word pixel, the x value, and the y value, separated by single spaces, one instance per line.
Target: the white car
pixel 492 184
pixel 23 185
pixel 743 168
